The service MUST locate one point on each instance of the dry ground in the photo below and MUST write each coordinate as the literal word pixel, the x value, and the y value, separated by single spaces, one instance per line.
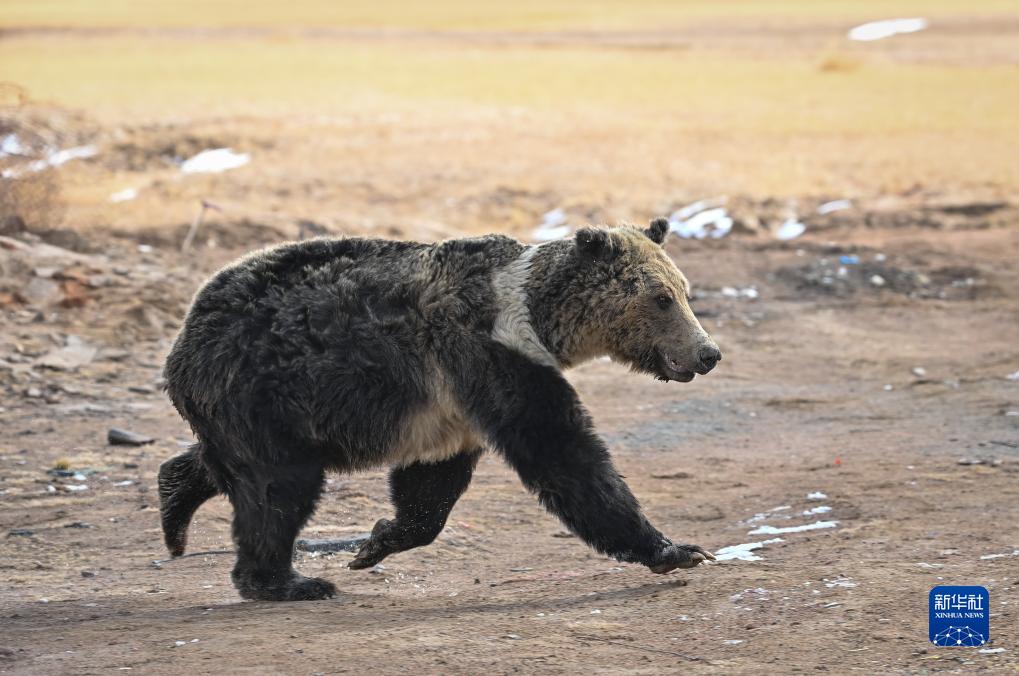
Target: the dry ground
pixel 462 120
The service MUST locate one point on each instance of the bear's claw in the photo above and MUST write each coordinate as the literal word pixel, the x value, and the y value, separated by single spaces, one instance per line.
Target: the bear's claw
pixel 680 556
pixel 375 549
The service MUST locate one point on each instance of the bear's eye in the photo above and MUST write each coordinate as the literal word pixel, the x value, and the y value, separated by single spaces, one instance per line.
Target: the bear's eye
pixel 664 301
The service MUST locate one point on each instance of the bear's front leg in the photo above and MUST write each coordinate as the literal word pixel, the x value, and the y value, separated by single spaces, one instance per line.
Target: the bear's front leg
pixel 424 495
pixel 534 417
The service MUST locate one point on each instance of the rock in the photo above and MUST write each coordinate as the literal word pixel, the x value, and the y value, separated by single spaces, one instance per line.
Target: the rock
pixel 87 573
pixel 23 532
pixel 119 437
pixel 349 544
pixel 41 292
pixel 75 353
pixel 671 475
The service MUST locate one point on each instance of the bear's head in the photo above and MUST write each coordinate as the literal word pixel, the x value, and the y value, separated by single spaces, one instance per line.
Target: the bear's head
pixel 639 312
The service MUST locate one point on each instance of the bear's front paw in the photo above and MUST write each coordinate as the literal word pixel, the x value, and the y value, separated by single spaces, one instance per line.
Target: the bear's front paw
pixel 375 549
pixel 679 556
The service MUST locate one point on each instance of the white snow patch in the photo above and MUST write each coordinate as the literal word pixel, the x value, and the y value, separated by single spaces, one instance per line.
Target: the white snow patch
pixel 53 159
pixel 791 229
pixel 214 161
pixel 125 195
pixel 1012 376
pixel 553 226
pixel 696 222
pixel 816 495
pixel 772 530
pixel 878 30
pixel 991 651
pixel 820 509
pixel 833 206
pixel 841 581
pixel 743 552
pixel 750 292
pixel 11 145
pixel 987 557
pixel 761 516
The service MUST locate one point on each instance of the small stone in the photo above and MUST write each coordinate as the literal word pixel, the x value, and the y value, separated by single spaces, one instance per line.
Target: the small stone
pixel 87 573
pixel 40 291
pixel 119 437
pixel 75 353
pixel 919 371
pixel 877 280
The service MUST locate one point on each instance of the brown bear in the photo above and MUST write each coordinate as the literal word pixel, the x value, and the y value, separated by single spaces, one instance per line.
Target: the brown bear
pixel 345 354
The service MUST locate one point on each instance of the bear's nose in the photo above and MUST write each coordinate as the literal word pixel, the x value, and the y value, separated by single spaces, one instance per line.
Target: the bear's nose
pixel 708 357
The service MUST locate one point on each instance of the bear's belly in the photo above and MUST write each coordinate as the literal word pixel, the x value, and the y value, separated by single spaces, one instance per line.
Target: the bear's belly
pixel 432 433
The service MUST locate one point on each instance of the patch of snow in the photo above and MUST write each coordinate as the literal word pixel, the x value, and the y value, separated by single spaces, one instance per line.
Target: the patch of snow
pixel 549 234
pixel 833 206
pixel 743 552
pixel 816 495
pixel 991 651
pixel 772 530
pixel 791 229
pixel 750 293
pixel 11 145
pixel 53 159
pixel 553 226
pixel 714 223
pixel 987 557
pixel 878 30
pixel 1012 376
pixel 820 509
pixel 214 161
pixel 125 195
pixel 841 581
pixel 770 514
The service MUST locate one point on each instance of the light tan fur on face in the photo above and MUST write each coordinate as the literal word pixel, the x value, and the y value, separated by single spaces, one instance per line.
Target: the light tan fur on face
pixel 650 271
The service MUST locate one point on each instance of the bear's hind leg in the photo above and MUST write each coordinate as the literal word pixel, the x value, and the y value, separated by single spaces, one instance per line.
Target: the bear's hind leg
pixel 424 495
pixel 271 504
pixel 184 485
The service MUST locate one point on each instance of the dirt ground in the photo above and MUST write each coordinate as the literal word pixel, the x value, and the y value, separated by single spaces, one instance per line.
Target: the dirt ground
pixel 870 385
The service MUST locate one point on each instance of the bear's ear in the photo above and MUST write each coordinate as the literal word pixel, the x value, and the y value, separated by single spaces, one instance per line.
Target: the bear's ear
pixel 595 244
pixel 658 230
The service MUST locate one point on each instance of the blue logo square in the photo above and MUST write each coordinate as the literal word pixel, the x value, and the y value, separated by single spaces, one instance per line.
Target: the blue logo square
pixel 959 616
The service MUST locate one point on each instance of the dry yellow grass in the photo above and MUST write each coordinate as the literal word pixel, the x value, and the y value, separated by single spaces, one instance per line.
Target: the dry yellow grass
pixel 466 14
pixel 419 119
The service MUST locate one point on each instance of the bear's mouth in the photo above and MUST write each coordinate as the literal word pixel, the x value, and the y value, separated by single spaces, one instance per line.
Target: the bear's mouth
pixel 669 369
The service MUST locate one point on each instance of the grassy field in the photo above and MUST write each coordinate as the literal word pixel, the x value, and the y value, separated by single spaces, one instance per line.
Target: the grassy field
pixel 467 14
pixel 765 99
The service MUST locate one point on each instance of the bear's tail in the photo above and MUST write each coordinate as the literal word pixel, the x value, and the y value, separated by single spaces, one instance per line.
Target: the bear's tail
pixel 184 484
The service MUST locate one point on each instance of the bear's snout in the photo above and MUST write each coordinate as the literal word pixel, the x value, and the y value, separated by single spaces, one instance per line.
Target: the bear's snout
pixel 707 357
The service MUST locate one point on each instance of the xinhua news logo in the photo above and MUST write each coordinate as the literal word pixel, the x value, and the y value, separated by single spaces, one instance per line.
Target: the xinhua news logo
pixel 959 616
